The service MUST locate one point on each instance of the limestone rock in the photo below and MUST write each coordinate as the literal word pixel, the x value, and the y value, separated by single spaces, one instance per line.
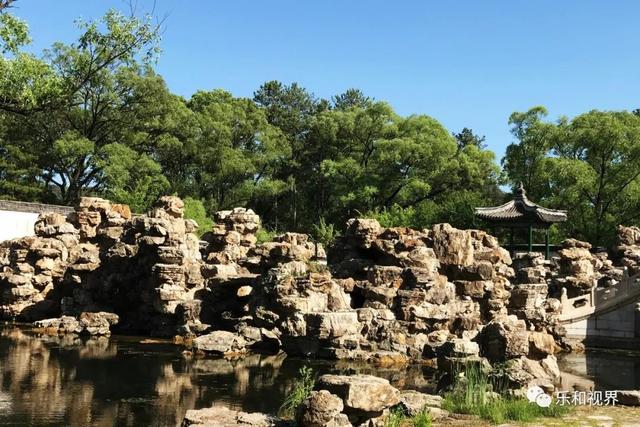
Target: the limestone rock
pixel 413 403
pixel 220 342
pixel 322 409
pixel 361 393
pixel 501 340
pixel 221 416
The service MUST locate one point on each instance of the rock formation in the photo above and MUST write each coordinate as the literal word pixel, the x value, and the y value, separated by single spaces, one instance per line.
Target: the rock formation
pixel 383 295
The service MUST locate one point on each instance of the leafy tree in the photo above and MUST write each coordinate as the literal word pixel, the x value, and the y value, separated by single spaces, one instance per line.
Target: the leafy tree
pixel 290 109
pixel 66 107
pixel 237 152
pixel 130 177
pixel 589 165
pixel 466 137
pixel 194 209
pixel 526 160
pixel 596 172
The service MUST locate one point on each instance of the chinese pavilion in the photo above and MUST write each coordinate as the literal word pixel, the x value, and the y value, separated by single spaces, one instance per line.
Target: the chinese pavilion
pixel 522 214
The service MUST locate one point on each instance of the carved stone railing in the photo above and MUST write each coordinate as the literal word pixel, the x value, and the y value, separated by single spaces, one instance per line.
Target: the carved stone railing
pixel 599 300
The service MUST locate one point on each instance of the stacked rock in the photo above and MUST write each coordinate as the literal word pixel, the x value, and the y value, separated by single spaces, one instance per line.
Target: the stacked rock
pixel 627 249
pixel 529 297
pixel 422 288
pixel 579 269
pixel 233 234
pixel 31 267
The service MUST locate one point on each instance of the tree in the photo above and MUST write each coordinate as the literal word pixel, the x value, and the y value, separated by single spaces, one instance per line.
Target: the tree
pixel 526 160
pixel 130 177
pixel 352 98
pixel 374 160
pixel 466 137
pixel 66 107
pixel 290 109
pixel 589 166
pixel 237 153
pixel 596 172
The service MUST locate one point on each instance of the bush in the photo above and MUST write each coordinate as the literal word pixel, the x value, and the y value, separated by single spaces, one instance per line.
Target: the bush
pixel 194 209
pixel 325 233
pixel 263 235
pixel 302 388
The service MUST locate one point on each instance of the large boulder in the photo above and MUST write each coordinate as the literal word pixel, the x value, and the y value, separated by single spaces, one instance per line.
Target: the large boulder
pixel 221 342
pixel 322 409
pixel 413 403
pixel 361 394
pixel 362 232
pixel 452 246
pixel 221 416
pixel 504 339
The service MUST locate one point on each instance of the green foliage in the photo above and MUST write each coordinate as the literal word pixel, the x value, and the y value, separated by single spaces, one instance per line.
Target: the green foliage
pixel 263 235
pixel 14 33
pixel 589 165
pixel 422 419
pixel 478 393
pixel 130 177
pixel 324 233
pixel 397 418
pixel 194 209
pixel 302 388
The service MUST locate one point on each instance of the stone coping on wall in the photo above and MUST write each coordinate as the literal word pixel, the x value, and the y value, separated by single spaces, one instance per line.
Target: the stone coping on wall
pixel 16 206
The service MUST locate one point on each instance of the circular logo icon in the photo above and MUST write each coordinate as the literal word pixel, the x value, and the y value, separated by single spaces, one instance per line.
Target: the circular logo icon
pixel 534 392
pixel 543 400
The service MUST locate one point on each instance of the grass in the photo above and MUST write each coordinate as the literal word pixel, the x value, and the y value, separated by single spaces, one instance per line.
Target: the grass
pixel 397 418
pixel 472 394
pixel 302 388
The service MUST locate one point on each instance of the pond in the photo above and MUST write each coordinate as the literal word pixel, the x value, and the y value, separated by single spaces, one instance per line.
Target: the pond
pixel 122 381
pixel 125 381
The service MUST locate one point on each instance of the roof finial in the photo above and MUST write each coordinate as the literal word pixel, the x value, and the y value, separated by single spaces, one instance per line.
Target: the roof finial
pixel 520 192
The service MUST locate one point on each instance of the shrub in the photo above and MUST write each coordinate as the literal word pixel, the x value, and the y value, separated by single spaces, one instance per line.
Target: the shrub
pixel 194 209
pixel 325 233
pixel 263 235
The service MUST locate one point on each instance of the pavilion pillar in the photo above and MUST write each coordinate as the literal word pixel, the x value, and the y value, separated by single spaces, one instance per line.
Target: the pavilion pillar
pixel 530 238
pixel 512 249
pixel 547 253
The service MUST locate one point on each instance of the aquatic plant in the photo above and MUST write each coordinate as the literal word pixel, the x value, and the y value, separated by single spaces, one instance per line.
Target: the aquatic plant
pixel 479 393
pixel 302 387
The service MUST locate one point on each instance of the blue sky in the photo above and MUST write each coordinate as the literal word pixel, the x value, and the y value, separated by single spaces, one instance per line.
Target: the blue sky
pixel 465 63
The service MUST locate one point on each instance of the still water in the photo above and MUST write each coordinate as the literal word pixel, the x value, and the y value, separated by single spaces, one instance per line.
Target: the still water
pixel 51 381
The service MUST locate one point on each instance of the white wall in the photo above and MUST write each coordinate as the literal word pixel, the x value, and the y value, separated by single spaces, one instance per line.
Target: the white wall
pixel 16 224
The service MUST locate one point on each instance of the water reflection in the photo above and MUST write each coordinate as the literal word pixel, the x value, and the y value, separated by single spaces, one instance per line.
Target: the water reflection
pixel 51 381
pixel 600 370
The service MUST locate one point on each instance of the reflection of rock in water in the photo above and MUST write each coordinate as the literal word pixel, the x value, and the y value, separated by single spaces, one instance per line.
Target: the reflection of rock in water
pixel 600 370
pixel 66 381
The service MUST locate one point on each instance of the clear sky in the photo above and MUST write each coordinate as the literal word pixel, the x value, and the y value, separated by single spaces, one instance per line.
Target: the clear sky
pixel 465 63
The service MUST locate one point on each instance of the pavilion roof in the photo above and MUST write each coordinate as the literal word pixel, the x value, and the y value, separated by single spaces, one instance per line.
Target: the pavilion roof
pixel 521 212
